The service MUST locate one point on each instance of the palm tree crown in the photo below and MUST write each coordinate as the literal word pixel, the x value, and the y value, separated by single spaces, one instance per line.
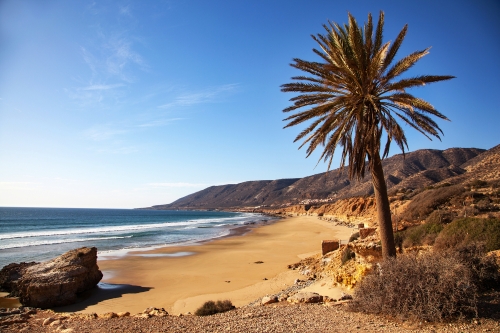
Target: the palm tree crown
pixel 354 95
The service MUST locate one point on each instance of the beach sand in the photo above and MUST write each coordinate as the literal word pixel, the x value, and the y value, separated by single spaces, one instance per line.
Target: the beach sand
pixel 226 268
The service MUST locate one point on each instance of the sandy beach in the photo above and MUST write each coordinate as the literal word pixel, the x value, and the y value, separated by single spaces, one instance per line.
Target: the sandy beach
pixel 239 268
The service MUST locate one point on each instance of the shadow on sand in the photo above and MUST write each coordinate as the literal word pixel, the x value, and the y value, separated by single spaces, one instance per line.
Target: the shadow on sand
pixel 102 292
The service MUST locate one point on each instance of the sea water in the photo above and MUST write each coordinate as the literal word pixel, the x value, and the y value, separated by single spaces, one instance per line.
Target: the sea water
pixel 38 234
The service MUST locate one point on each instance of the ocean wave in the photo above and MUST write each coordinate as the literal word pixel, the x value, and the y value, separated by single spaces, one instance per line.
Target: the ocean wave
pixel 58 241
pixel 124 228
pixel 83 231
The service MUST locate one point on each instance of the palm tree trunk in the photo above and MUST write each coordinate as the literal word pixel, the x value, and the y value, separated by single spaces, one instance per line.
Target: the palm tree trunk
pixel 383 208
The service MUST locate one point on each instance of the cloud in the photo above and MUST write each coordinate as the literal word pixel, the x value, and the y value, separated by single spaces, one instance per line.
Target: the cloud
pixel 125 150
pixel 101 133
pixel 209 95
pixel 121 55
pixel 111 56
pixel 159 122
pixel 102 86
pixel 125 10
pixel 179 184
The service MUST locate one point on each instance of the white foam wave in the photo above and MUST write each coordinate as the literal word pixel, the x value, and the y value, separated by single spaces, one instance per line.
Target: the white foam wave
pixel 58 241
pixel 100 230
pixel 124 228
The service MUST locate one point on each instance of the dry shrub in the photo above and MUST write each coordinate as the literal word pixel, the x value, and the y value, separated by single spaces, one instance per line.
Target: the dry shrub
pixel 431 286
pixel 461 232
pixel 210 307
pixel 423 204
pixel 484 268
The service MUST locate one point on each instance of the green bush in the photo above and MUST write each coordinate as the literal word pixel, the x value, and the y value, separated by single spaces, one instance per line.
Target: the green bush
pixel 467 230
pixel 210 307
pixel 441 217
pixel 424 234
pixel 398 239
pixel 433 286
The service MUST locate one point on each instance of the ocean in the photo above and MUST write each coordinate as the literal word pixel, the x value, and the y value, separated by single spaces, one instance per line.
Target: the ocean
pixel 39 234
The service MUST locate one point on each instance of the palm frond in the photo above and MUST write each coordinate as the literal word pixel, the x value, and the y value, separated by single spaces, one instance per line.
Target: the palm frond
pixel 351 99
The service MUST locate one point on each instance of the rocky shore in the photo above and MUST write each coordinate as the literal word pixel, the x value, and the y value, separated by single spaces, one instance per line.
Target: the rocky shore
pixel 281 317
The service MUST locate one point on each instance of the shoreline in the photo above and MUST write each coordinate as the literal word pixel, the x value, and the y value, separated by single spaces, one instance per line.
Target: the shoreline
pixel 243 266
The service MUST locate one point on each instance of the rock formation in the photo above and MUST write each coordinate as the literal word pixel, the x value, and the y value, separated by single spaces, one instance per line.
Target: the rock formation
pixel 56 282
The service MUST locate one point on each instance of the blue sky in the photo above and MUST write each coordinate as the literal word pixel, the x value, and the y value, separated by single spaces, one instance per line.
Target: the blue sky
pixel 124 104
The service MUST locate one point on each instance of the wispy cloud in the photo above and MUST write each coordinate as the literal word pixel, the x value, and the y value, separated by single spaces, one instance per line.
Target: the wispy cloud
pixel 121 55
pixel 125 10
pixel 113 59
pixel 159 122
pixel 101 133
pixel 102 86
pixel 210 95
pixel 124 150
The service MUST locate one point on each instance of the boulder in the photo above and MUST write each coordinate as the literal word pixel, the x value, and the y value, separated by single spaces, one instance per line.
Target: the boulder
pixel 11 273
pixel 305 297
pixel 269 300
pixel 55 282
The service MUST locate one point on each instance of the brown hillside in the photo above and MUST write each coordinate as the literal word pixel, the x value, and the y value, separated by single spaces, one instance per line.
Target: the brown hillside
pixel 414 170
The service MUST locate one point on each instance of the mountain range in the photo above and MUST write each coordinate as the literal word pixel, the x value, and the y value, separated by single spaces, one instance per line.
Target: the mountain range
pixel 413 170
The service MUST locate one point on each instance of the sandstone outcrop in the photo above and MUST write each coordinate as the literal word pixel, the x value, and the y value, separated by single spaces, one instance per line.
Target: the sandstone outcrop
pixel 56 282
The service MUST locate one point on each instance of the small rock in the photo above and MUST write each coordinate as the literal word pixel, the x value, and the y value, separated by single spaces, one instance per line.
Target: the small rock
pixel 48 321
pixel 56 323
pixel 283 297
pixel 123 314
pixel 108 315
pixel 344 297
pixel 142 315
pixel 269 300
pixel 158 312
pixel 305 297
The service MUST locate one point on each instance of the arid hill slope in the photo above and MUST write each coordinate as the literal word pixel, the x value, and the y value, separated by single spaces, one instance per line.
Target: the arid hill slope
pixel 416 170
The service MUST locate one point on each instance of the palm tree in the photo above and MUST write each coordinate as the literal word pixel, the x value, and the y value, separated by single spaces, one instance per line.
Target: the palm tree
pixel 353 99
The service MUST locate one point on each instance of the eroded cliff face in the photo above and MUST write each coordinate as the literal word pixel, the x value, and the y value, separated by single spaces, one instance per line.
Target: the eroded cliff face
pixel 352 210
